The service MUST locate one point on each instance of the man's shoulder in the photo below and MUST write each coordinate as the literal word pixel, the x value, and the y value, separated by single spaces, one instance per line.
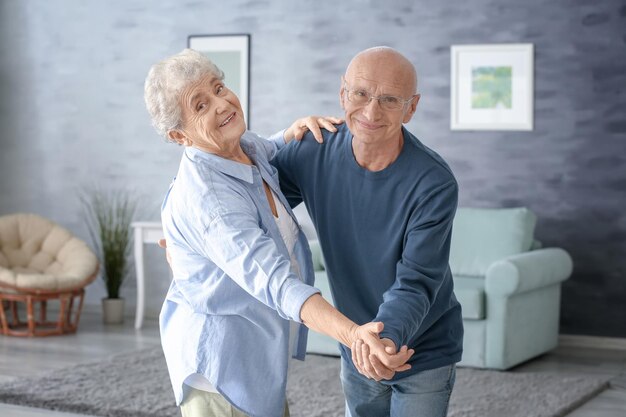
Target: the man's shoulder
pixel 428 159
pixel 331 139
pixel 308 145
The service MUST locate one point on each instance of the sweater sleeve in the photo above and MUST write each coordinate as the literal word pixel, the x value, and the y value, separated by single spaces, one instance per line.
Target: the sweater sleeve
pixel 423 267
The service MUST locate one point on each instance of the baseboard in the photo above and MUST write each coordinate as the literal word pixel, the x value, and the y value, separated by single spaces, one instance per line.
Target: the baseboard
pixel 92 309
pixel 129 311
pixel 594 342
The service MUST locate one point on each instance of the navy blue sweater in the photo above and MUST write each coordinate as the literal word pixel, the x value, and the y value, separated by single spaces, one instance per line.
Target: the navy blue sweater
pixel 385 237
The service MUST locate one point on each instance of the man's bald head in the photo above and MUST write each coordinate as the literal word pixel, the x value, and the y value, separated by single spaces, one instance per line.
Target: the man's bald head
pixel 384 57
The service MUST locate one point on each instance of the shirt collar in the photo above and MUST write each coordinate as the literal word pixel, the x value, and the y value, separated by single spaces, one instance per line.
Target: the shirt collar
pixel 223 165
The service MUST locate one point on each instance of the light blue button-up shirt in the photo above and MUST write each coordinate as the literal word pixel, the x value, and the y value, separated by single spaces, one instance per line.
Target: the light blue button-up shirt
pixel 226 313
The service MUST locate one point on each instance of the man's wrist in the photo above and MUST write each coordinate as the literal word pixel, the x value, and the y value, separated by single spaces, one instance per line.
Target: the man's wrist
pixel 389 336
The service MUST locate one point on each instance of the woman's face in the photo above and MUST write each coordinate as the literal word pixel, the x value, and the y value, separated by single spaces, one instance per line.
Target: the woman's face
pixel 212 117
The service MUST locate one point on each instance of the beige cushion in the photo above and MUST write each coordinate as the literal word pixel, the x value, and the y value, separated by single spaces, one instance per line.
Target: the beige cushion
pixel 36 253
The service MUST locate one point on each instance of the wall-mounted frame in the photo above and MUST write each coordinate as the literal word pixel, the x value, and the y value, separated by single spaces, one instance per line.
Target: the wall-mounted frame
pixel 492 87
pixel 231 53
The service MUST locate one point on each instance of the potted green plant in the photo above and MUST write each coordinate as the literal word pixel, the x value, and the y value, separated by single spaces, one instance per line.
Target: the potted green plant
pixel 109 214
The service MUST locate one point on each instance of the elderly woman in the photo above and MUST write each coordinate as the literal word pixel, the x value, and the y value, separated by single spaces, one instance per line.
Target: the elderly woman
pixel 241 264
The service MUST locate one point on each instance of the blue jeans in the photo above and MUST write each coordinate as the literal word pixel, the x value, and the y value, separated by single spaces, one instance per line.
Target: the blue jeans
pixel 425 394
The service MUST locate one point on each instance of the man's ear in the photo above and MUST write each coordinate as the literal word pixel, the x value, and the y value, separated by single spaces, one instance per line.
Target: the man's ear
pixel 341 96
pixel 412 107
pixel 178 137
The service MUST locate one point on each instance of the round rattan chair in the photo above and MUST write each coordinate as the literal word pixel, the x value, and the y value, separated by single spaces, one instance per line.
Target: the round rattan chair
pixel 41 262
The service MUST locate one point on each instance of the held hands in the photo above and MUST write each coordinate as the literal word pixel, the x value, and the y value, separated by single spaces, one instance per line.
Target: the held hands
pixel 377 358
pixel 372 356
pixel 312 123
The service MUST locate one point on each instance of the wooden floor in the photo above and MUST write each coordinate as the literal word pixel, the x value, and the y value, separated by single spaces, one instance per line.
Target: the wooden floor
pixel 20 357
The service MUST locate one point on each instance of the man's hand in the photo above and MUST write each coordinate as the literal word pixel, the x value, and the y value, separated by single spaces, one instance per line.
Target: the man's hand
pixel 312 123
pixel 377 358
pixel 163 244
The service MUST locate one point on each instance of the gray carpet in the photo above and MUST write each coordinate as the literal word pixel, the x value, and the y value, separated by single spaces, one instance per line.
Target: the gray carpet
pixel 137 385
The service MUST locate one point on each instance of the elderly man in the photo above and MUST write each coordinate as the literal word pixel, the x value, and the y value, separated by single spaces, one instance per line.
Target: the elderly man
pixel 382 204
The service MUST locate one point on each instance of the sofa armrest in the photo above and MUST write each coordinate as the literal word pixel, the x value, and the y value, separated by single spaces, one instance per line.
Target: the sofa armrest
pixel 528 271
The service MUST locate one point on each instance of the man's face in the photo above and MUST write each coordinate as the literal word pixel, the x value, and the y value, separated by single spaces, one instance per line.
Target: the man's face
pixel 211 113
pixel 371 122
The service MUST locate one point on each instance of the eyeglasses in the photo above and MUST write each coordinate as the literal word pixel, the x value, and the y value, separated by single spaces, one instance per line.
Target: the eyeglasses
pixel 386 102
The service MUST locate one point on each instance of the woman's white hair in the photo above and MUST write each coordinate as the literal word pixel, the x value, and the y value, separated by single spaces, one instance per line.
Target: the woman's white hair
pixel 166 81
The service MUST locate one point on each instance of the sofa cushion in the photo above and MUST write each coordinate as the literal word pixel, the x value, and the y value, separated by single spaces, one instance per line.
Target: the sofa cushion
pixel 483 236
pixel 470 292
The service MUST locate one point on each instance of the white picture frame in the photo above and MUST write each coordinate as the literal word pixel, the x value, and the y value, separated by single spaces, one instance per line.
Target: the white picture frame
pixel 231 53
pixel 492 87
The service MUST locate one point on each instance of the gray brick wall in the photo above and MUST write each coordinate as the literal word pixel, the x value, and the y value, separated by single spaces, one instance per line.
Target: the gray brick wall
pixel 72 113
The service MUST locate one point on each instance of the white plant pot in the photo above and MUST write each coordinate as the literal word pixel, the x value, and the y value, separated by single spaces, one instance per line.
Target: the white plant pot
pixel 113 310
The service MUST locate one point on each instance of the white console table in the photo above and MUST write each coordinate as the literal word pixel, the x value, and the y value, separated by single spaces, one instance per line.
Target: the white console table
pixel 144 232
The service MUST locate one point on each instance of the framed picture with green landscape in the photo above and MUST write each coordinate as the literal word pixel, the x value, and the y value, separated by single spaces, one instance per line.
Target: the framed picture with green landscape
pixel 492 87
pixel 231 53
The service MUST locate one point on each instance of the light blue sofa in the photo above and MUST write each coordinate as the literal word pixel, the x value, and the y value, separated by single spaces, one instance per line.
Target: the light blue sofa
pixel 508 286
